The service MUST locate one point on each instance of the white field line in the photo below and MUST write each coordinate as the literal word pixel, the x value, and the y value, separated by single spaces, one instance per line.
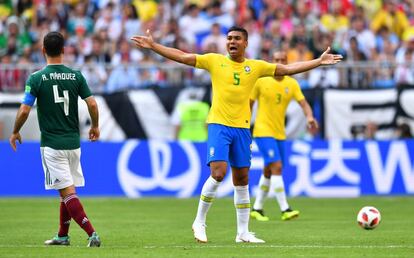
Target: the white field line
pixel 247 245
pixel 242 245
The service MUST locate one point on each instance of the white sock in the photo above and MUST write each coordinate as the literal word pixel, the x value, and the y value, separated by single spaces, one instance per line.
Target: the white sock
pixel 278 188
pixel 242 204
pixel 208 193
pixel 262 192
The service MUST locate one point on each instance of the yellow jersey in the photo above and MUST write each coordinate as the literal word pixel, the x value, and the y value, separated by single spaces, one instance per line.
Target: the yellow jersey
pixel 274 97
pixel 232 83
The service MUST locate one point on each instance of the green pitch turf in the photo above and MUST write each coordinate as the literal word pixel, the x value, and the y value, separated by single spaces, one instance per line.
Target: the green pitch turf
pixel 162 228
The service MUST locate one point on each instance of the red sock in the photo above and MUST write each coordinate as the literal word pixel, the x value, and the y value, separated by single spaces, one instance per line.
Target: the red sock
pixel 76 211
pixel 64 221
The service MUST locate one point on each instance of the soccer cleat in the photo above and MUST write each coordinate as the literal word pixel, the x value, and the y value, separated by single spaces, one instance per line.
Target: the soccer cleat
pixel 94 241
pixel 289 214
pixel 57 240
pixel 258 215
pixel 199 230
pixel 248 237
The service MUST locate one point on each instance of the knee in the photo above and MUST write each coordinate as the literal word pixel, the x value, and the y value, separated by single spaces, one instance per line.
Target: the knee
pixel 276 168
pixel 242 180
pixel 267 172
pixel 279 168
pixel 218 174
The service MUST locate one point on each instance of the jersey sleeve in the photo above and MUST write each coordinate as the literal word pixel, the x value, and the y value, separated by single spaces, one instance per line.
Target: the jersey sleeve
pixel 255 92
pixel 204 61
pixel 266 69
pixel 84 90
pixel 297 92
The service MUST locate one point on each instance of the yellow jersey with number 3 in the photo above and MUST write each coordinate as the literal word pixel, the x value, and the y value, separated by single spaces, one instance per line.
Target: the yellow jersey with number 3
pixel 274 97
pixel 232 84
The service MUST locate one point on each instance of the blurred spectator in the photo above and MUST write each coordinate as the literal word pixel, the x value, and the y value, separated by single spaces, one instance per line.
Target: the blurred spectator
pixel 78 21
pixel 357 77
pixel 172 9
pixel 95 74
pixel 286 25
pixel 82 42
pixel 192 23
pixel 384 35
pixel 302 15
pixel 15 39
pixel 370 7
pixel 72 55
pixel 255 39
pixel 147 9
pixel 365 37
pixel 383 76
pixel 9 75
pixel 391 17
pixel 108 20
pixel 403 131
pixel 98 53
pixel 125 53
pixel 370 131
pixel 404 72
pixel 216 37
pixel 297 53
pixel 215 15
pixel 335 20
pixel 149 73
pixel 6 7
pixel 131 24
pixel 36 54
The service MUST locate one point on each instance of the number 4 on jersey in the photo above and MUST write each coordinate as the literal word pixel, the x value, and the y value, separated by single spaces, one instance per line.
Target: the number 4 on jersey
pixel 64 99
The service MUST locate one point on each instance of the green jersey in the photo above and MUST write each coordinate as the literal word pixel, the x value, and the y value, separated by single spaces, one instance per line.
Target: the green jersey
pixel 57 88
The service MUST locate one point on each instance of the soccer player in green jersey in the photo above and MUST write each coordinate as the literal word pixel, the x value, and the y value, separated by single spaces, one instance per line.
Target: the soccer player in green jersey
pixel 274 95
pixel 57 88
pixel 233 77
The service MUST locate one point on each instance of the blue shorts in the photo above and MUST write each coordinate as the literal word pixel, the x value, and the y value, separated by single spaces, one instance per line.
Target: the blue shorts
pixel 271 149
pixel 229 144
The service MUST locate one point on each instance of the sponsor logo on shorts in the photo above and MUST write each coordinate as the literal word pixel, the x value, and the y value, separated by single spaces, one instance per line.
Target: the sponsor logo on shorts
pixel 211 151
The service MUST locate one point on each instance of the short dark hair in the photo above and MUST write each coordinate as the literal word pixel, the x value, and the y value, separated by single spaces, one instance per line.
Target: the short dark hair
pixel 237 28
pixel 53 43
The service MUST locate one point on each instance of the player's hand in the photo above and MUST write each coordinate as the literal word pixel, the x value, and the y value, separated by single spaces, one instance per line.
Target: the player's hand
pixel 13 138
pixel 143 41
pixel 312 124
pixel 94 134
pixel 329 59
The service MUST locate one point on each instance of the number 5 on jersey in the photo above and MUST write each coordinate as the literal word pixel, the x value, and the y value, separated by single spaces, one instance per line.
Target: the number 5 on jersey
pixel 236 77
pixel 64 99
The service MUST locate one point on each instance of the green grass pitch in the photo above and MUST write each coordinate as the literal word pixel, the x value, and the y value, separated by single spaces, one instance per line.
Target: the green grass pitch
pixel 161 227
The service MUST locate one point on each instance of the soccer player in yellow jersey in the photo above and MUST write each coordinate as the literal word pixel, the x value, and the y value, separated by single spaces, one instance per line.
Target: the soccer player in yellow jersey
pixel 274 95
pixel 233 77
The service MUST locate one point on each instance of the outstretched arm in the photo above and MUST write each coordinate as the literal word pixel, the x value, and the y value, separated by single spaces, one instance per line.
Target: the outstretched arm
pixel 167 52
pixel 21 118
pixel 299 67
pixel 311 122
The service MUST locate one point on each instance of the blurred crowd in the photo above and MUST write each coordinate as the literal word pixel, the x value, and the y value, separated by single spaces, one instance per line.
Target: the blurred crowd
pixel 376 38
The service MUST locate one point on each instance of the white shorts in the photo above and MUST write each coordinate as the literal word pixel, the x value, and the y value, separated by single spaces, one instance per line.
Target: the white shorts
pixel 62 168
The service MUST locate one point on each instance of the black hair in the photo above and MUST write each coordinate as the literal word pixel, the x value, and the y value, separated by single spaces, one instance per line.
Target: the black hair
pixel 53 43
pixel 240 29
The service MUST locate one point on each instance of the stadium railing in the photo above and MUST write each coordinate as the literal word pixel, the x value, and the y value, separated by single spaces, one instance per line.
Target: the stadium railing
pixel 346 75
